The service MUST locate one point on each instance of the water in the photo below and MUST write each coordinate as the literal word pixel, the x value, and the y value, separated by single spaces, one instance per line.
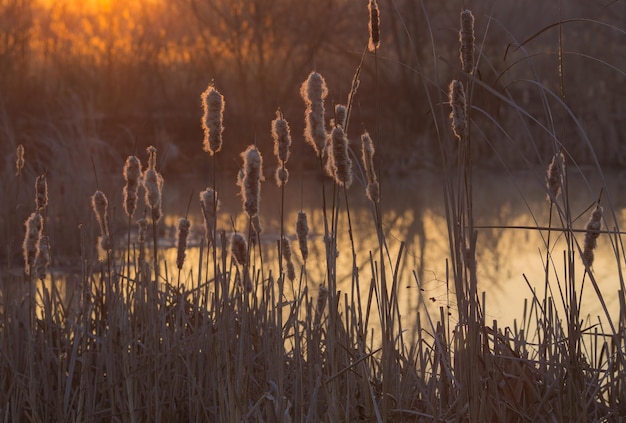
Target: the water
pixel 510 261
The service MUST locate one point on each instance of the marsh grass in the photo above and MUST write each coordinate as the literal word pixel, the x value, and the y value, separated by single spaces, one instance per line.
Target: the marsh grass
pixel 248 344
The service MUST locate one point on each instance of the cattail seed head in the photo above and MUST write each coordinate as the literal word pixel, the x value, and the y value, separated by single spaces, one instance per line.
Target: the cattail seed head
pixel 41 192
pixel 282 176
pixel 34 227
pixel 302 231
pixel 151 157
pixel 374 26
pixel 213 106
pixel 182 234
pixel 43 258
pixel 554 178
pixel 591 235
pixel 458 105
pixel 209 204
pixel 251 182
pixel 313 92
pixel 239 248
pixel 339 163
pixel 19 160
pixel 322 298
pixel 466 37
pixel 341 113
pixel 132 175
pixel 282 137
pixel 100 205
pixel 372 189
pixel 153 185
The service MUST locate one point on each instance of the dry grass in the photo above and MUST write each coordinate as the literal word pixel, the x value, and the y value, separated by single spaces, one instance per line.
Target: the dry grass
pixel 242 341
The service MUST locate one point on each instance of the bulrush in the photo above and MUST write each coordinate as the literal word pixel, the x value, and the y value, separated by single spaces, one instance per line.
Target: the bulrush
pixel 153 185
pixel 302 231
pixel 43 258
pixel 339 164
pixel 458 105
pixel 100 205
pixel 19 160
pixel 210 204
pixel 466 38
pixel 374 26
pixel 287 263
pixel 251 180
pixel 313 92
pixel 341 113
pixel 182 234
pixel 41 192
pixel 591 235
pixel 372 189
pixel 132 175
pixel 213 106
pixel 282 142
pixel 554 178
pixel 239 248
pixel 34 227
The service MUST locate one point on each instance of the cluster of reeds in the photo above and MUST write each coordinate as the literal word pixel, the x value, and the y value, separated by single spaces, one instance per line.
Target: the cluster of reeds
pixel 255 342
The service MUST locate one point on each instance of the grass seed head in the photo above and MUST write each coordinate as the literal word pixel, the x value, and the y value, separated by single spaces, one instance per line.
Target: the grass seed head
pixel 213 106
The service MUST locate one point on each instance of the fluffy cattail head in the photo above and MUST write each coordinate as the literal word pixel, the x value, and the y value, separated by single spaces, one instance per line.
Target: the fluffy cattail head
pixel 591 235
pixel 151 157
pixel 34 227
pixel 282 176
pixel 374 26
pixel 281 136
pixel 239 249
pixel 339 162
pixel 341 113
pixel 466 38
pixel 213 106
pixel 182 234
pixel 322 298
pixel 142 225
pixel 313 92
pixel 132 175
pixel 100 205
pixel 19 160
pixel 209 204
pixel 251 182
pixel 302 231
pixel 41 192
pixel 372 189
pixel 153 185
pixel 554 178
pixel 43 258
pixel 458 105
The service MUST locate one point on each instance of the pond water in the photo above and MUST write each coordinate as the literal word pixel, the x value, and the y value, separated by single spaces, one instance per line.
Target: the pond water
pixel 510 257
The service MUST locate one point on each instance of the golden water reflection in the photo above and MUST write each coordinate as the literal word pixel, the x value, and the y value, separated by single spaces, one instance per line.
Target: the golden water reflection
pixel 414 214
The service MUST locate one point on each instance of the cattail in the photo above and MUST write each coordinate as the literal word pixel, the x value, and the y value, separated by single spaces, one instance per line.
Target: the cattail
pixel 239 248
pixel 41 192
pixel 313 92
pixel 256 228
pixel 153 185
pixel 322 298
pixel 132 175
pixel 43 258
pixel 182 234
pixel 341 113
pixel 458 105
pixel 281 176
pixel 287 263
pixel 555 176
pixel 374 26
pixel 302 231
pixel 100 205
pixel 19 160
pixel 591 235
pixel 251 182
pixel 34 227
pixel 339 163
pixel 209 204
pixel 368 150
pixel 466 38
pixel 151 157
pixel 213 106
pixel 282 137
